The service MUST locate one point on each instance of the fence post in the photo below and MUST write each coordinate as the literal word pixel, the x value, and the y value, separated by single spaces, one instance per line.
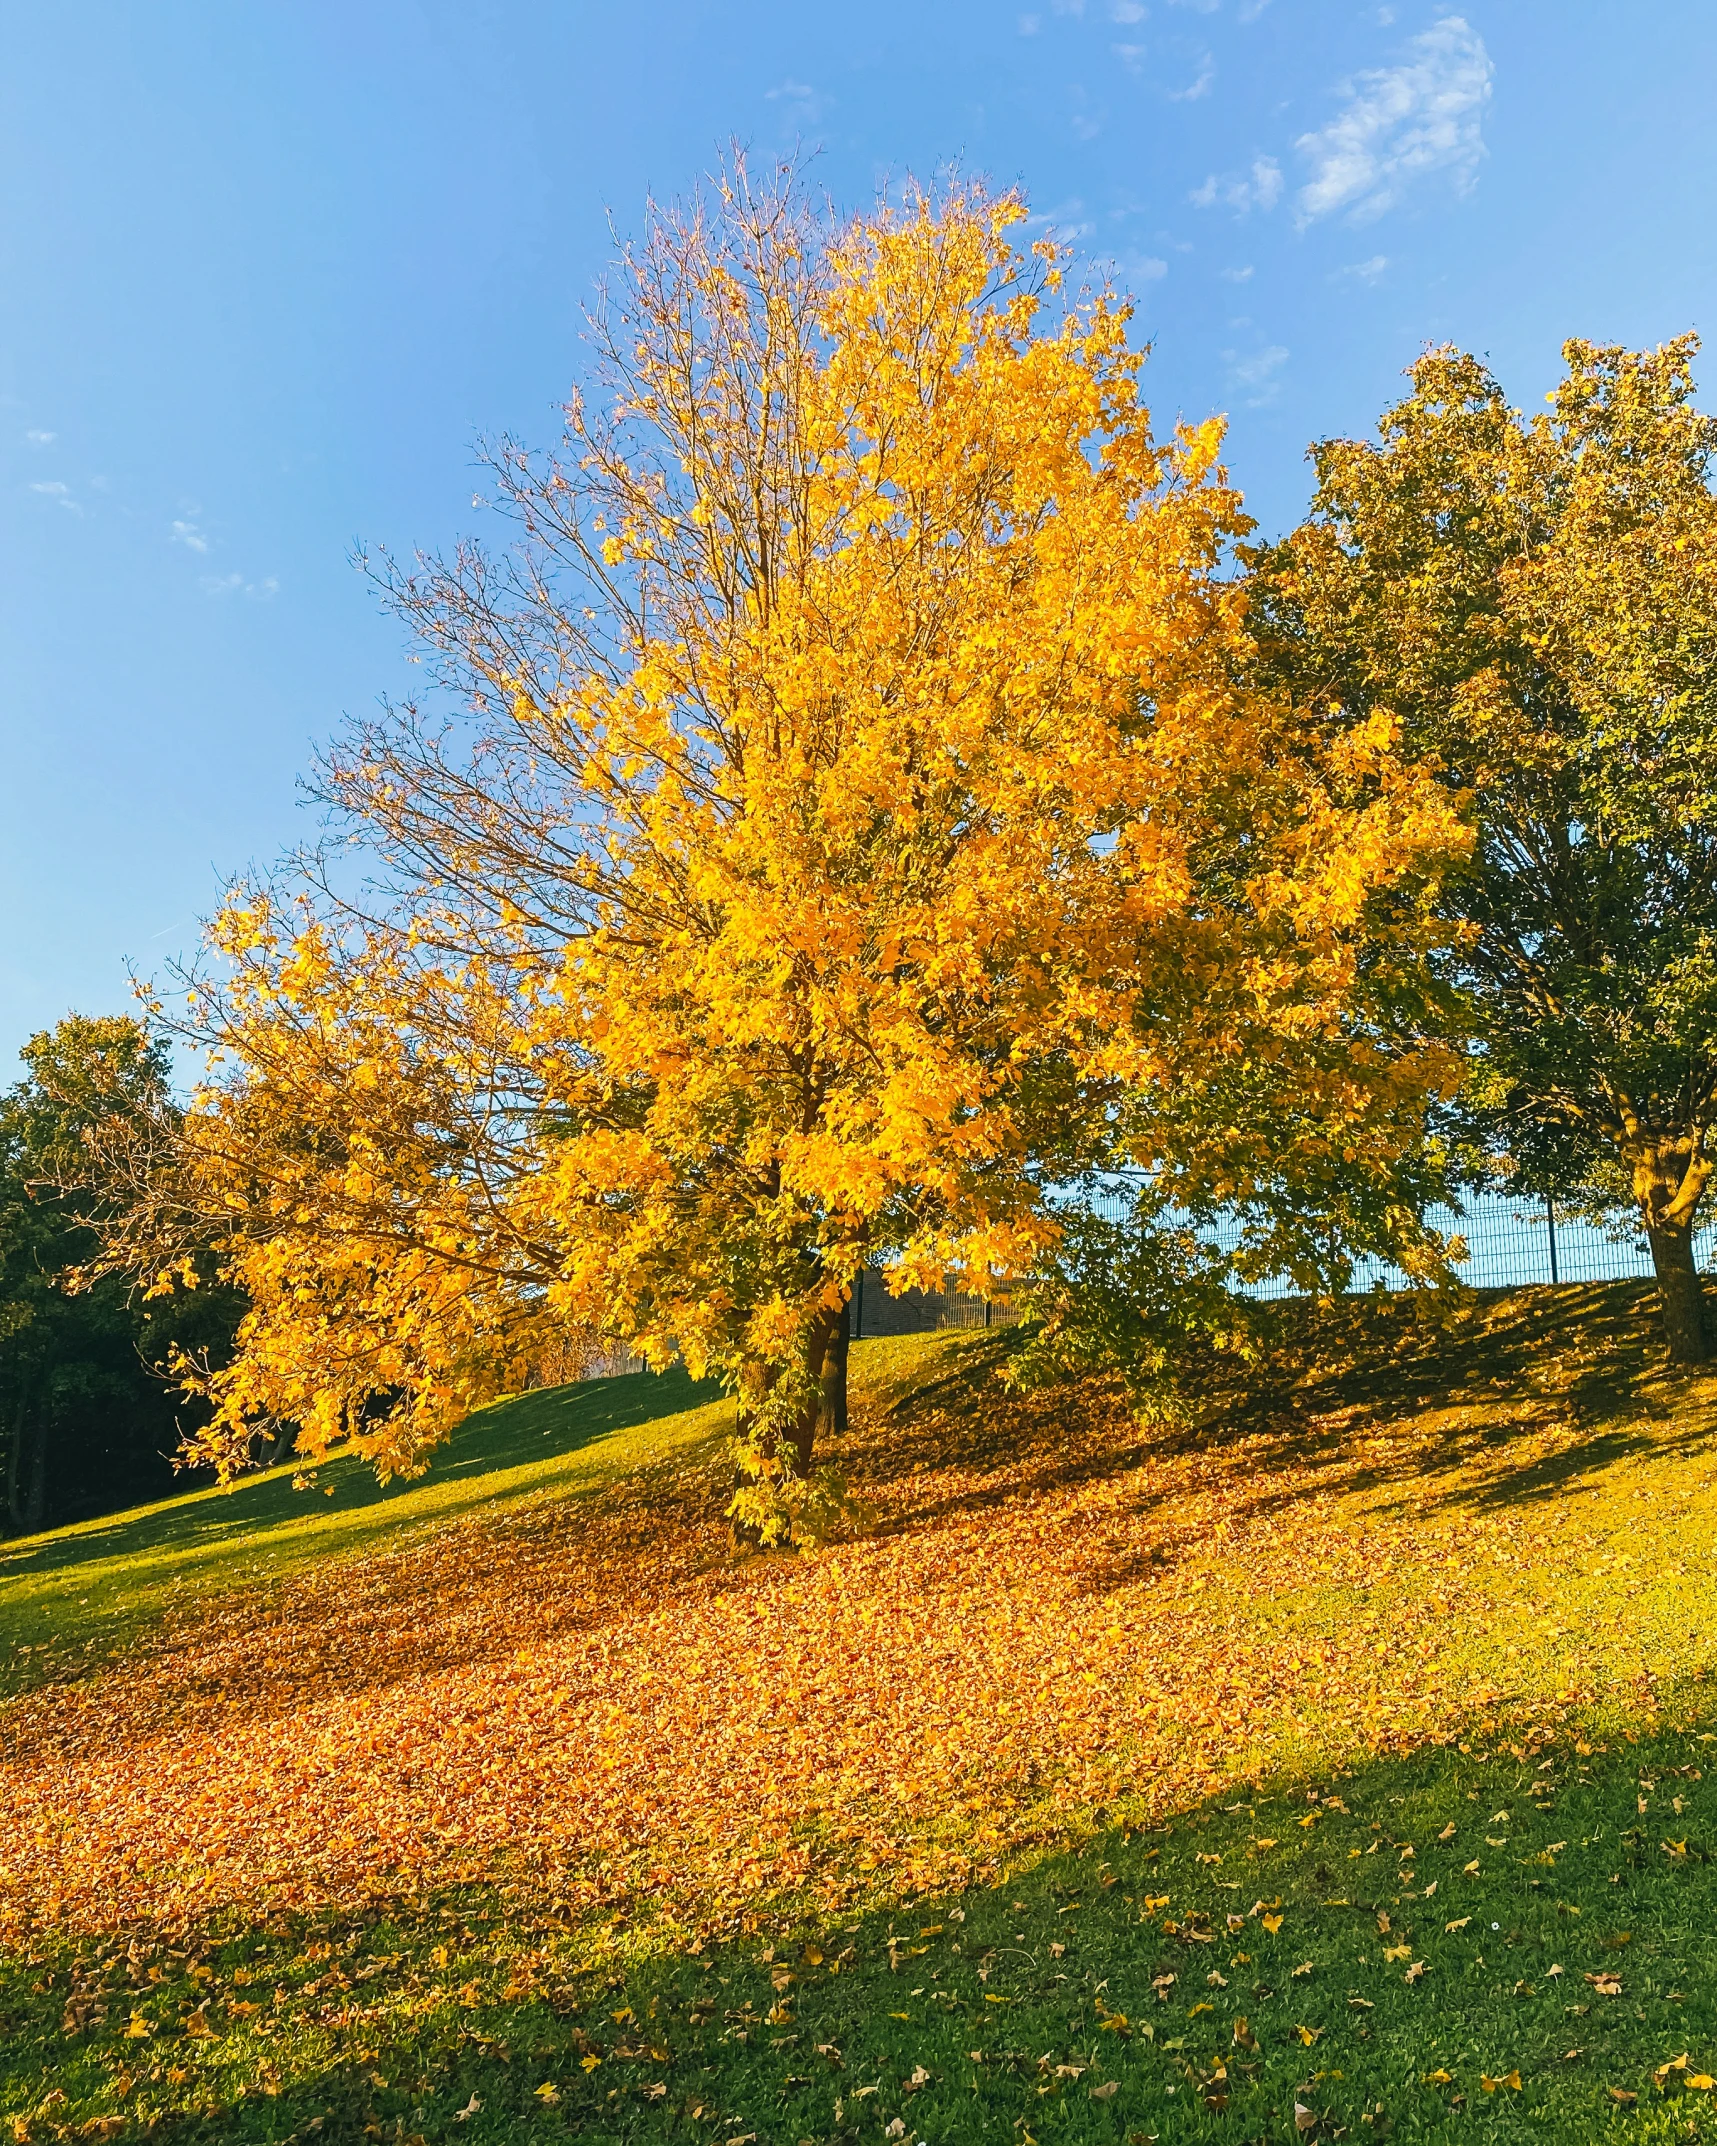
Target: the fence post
pixel 1550 1219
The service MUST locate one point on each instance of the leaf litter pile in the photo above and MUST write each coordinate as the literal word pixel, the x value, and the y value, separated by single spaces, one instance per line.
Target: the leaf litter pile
pixel 1047 1618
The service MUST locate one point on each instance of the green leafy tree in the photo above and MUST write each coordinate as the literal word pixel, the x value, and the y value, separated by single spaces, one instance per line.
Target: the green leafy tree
pixel 86 1418
pixel 1536 601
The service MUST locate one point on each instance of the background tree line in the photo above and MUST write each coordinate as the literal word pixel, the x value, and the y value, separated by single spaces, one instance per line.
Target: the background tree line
pixel 887 786
pixel 90 1418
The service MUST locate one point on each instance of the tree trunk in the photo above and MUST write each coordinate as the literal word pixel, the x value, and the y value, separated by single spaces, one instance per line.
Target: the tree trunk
pixel 834 1380
pixel 826 1410
pixel 15 1462
pixel 27 1467
pixel 824 1413
pixel 1670 1171
pixel 36 1497
pixel 1680 1293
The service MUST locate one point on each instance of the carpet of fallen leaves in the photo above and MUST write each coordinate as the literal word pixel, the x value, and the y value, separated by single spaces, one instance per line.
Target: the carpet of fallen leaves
pixel 1047 1614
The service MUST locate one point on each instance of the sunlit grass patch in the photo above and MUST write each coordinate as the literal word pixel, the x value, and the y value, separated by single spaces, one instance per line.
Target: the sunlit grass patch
pixel 1420 1949
pixel 88 1588
pixel 530 1711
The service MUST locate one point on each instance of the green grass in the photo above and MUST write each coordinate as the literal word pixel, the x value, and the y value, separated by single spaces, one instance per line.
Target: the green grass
pixel 487 2012
pixel 97 1588
pixel 993 2014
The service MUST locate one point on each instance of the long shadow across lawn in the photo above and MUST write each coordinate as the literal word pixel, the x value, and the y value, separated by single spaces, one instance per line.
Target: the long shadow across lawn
pixel 1498 1368
pixel 1454 1945
pixel 509 1434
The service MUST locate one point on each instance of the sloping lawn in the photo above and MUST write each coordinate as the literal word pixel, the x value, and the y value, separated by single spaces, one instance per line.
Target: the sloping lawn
pixel 506 1805
pixel 88 1589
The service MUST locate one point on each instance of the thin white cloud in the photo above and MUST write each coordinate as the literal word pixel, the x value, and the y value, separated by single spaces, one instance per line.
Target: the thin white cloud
pixel 188 534
pixel 1366 271
pixel 1126 11
pixel 1252 9
pixel 1087 126
pixel 1131 57
pixel 1236 275
pixel 1143 267
pixel 60 494
pixel 1200 88
pixel 41 439
pixel 1260 188
pixel 236 585
pixel 1029 25
pixel 1068 221
pixel 1258 372
pixel 803 100
pixel 1401 123
pixel 1199 7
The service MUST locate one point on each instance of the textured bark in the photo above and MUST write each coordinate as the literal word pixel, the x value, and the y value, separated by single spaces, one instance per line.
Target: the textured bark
pixel 834 1380
pixel 1670 1172
pixel 1686 1326
pixel 826 1412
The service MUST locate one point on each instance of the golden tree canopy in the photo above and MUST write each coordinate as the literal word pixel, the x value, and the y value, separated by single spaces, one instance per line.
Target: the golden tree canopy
pixel 861 800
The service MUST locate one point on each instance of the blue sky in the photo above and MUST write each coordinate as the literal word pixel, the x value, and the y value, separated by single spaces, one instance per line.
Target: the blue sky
pixel 267 270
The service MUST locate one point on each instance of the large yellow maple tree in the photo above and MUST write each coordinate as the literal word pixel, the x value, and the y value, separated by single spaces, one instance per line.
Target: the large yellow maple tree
pixel 859 799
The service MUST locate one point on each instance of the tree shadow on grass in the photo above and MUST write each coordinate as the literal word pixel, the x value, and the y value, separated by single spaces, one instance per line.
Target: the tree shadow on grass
pixel 113 1585
pixel 1125 1981
pixel 1479 1378
pixel 514 1433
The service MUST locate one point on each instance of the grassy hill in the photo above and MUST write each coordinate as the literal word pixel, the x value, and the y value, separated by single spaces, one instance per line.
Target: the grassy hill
pixel 1346 1749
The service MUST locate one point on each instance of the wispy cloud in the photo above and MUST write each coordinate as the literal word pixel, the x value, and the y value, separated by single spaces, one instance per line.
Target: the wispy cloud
pixel 60 494
pixel 188 534
pixel 1401 123
pixel 1131 57
pixel 1236 275
pixel 41 439
pixel 1365 271
pixel 1068 221
pixel 1252 9
pixel 1258 372
pixel 236 585
pixel 1199 88
pixel 1199 7
pixel 1029 25
pixel 1259 188
pixel 802 101
pixel 1126 11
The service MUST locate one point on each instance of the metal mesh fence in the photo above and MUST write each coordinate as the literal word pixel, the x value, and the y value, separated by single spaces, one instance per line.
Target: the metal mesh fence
pixel 1510 1243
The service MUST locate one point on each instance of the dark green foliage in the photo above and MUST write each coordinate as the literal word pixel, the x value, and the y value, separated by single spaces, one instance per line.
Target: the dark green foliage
pixel 1130 1295
pixel 1536 602
pixel 88 1423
